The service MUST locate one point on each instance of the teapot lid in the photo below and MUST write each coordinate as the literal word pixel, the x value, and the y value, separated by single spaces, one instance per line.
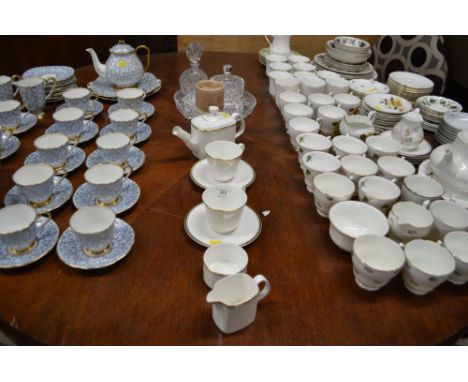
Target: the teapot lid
pixel 122 48
pixel 213 120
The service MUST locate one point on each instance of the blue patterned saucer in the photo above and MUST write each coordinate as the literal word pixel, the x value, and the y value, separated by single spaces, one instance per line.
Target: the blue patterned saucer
pixel 127 199
pixel 60 73
pixel 70 252
pixel 94 108
pixel 61 194
pixel 135 159
pixel 11 146
pixel 146 111
pixel 142 134
pixel 75 158
pixel 103 89
pixel 90 130
pixel 45 242
pixel 27 122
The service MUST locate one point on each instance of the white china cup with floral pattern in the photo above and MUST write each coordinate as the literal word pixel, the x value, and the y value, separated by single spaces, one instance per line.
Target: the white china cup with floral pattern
pixel 316 100
pixel 348 145
pixel 392 167
pixel 428 265
pixel 317 162
pixel 409 221
pixel 312 85
pixel 223 159
pixel 223 260
pixel 286 85
pixel 376 260
pixel 348 102
pixel 300 125
pixel 331 188
pixel 94 229
pixel 19 227
pixel 448 217
pixel 223 207
pixel 290 97
pixel 356 166
pixel 329 117
pixel 382 146
pixel 307 142
pixel 304 67
pixel 456 242
pixel 418 189
pixel 378 192
pixel 36 182
pixel 336 86
pixel 293 110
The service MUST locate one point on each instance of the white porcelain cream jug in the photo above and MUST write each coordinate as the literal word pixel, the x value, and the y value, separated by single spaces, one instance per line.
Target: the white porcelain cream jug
pixel 409 130
pixel 123 68
pixel 449 165
pixel 358 126
pixel 235 300
pixel 213 126
pixel 279 44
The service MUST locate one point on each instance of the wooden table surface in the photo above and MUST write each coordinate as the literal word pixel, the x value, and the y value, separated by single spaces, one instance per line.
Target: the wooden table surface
pixel 156 295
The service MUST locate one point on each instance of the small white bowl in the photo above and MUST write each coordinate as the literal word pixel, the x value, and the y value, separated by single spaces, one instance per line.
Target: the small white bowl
pixel 223 260
pixel 427 266
pixel 350 220
pixel 381 146
pixel 456 243
pixel 347 145
pixel 376 260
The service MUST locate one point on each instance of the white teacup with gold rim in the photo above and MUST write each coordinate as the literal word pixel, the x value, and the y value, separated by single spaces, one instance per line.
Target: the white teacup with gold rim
pixel 223 159
pixel 376 260
pixel 456 243
pixel 71 121
pixel 392 167
pixel 428 265
pixel 312 85
pixel 381 146
pixel 125 121
pixel 19 227
pixel 317 162
pixel 448 217
pixel 307 142
pixel 378 192
pixel 10 114
pixel 418 189
pixel 36 182
pixel 106 182
pixel 94 229
pixel 347 145
pixel 409 221
pixel 53 149
pixel 331 188
pixel 223 207
pixel 355 167
pixel 115 147
pixel 301 125
pixel 316 100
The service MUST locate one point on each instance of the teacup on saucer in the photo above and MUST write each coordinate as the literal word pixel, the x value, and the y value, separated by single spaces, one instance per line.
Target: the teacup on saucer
pixel 135 159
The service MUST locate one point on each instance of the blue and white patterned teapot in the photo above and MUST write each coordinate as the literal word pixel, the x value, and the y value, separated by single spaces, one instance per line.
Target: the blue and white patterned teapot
pixel 123 68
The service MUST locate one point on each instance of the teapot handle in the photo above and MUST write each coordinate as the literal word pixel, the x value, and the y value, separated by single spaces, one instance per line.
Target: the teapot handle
pixel 241 129
pixel 268 41
pixel 148 53
pixel 265 290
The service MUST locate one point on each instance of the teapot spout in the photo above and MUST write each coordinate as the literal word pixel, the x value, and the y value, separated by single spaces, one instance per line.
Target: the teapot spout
pixel 98 67
pixel 185 137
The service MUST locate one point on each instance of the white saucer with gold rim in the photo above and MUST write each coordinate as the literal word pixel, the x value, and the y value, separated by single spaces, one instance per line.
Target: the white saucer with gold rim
pixel 245 175
pixel 197 228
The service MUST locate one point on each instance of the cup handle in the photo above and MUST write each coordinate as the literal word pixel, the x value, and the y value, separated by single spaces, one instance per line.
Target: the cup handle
pixel 319 121
pixel 148 55
pixel 25 107
pixel 143 117
pixel 259 279
pixel 54 84
pixel 93 97
pixel 426 203
pixel 127 171
pixel 241 129
pixel 268 41
pixel 46 215
pixel 62 174
pixel 14 78
pixel 242 146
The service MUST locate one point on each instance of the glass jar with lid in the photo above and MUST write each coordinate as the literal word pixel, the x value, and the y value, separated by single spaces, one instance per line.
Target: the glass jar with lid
pixel 233 88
